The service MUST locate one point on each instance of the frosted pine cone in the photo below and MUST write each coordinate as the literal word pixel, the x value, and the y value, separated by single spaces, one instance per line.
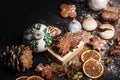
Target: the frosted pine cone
pixel 18 58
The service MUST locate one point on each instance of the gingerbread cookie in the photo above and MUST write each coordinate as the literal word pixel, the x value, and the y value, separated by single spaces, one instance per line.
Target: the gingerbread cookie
pixel 68 10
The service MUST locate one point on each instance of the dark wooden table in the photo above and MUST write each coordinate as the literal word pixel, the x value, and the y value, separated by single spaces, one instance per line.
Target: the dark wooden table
pixel 21 14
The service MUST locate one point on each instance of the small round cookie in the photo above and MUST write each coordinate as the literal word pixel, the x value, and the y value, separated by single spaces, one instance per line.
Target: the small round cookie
pixel 89 24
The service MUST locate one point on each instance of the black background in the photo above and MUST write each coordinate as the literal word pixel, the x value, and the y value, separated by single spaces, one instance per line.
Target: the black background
pixel 16 16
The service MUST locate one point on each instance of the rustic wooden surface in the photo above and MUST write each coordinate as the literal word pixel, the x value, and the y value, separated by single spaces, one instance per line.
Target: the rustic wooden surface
pixel 24 13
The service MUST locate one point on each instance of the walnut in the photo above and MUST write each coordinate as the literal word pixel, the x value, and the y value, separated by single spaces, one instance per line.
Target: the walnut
pixel 54 31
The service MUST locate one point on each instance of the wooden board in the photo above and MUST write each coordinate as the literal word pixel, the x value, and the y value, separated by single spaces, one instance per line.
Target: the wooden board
pixel 63 59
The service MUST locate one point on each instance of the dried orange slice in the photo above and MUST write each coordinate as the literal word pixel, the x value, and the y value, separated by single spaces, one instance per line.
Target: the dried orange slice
pixel 93 68
pixel 34 77
pixel 88 54
pixel 22 78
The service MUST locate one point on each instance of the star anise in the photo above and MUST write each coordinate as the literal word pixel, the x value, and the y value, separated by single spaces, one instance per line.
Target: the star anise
pixel 66 43
pixel 108 61
pixel 114 52
pixel 46 71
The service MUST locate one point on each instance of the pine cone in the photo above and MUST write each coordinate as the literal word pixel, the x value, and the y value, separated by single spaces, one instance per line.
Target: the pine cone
pixel 18 58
